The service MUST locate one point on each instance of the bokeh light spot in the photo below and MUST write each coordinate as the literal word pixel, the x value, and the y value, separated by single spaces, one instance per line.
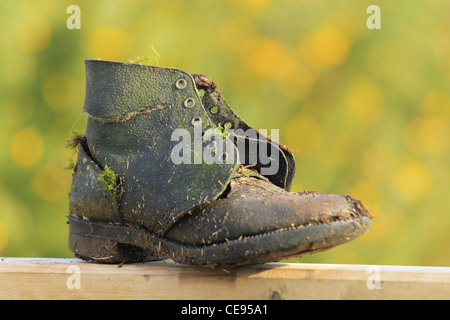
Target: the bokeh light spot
pixel 51 182
pixel 427 135
pixel 331 45
pixel 304 136
pixel 365 101
pixel 34 34
pixel 250 6
pixel 378 162
pixel 367 192
pixel 296 83
pixel 237 34
pixel 436 103
pixel 412 181
pixel 15 222
pixel 108 42
pixel 18 68
pixel 255 3
pixel 26 147
pixel 267 56
pixel 59 91
pixel 326 47
pixel 441 54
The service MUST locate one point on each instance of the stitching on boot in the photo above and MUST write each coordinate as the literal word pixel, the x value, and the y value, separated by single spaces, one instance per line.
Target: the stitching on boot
pixel 127 116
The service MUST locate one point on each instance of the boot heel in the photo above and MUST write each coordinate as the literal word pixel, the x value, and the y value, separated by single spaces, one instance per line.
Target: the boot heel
pixel 105 249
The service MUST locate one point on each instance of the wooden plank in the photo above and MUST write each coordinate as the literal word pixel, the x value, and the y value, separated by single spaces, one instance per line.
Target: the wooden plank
pixel 28 278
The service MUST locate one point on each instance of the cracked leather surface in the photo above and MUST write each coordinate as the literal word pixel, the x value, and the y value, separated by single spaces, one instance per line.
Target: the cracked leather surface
pixel 256 206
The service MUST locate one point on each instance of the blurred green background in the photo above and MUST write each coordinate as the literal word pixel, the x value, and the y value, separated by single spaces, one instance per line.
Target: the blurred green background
pixel 367 112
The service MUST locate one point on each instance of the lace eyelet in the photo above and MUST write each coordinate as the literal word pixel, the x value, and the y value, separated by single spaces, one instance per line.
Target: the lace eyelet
pixel 196 121
pixel 189 103
pixel 181 84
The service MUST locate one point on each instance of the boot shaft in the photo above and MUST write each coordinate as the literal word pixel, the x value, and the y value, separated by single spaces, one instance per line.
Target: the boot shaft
pixel 133 111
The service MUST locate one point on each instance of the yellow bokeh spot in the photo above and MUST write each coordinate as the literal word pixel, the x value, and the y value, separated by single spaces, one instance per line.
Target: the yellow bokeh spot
pixel 326 47
pixel 331 45
pixel 59 91
pixel 436 103
pixel 18 68
pixel 251 6
pixel 304 136
pixel 15 221
pixel 367 192
pixel 26 147
pixel 38 7
pixel 273 58
pixel 427 135
pixel 412 181
pixel 254 4
pixel 378 162
pixel 241 26
pixel 365 101
pixel 51 182
pixel 268 56
pixel 441 54
pixel 296 85
pixel 34 34
pixel 341 150
pixel 390 226
pixel 108 42
pixel 294 79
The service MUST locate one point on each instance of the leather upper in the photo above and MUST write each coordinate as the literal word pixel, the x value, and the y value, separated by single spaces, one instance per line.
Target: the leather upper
pixel 133 111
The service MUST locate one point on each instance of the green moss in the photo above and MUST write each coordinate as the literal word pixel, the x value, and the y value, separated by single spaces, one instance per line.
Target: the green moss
pixel 223 130
pixel 247 172
pixel 149 59
pixel 70 166
pixel 109 181
pixel 74 139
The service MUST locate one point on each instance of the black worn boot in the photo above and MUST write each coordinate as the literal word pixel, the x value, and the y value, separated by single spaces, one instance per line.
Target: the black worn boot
pixel 165 173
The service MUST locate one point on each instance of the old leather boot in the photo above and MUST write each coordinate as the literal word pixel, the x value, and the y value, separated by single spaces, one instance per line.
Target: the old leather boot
pixel 223 204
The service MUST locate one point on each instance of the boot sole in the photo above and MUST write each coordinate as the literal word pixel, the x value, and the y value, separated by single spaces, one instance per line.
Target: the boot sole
pixel 111 243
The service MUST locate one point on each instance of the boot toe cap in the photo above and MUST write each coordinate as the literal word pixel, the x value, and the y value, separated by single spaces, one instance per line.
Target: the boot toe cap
pixel 236 218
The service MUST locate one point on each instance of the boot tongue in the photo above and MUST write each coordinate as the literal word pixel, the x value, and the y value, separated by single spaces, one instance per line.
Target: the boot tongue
pixel 269 157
